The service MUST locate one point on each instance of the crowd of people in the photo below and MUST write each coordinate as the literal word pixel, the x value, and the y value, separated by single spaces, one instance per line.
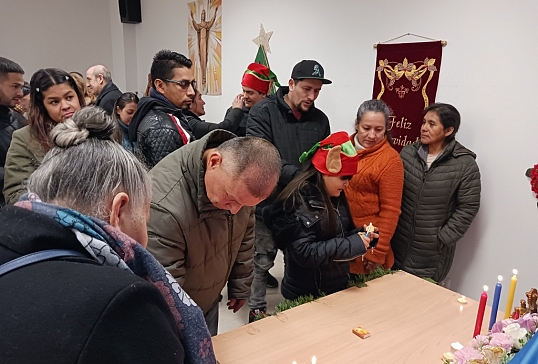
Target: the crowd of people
pixel 123 215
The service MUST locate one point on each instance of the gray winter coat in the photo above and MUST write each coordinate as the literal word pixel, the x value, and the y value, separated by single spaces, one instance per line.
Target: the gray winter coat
pixel 438 205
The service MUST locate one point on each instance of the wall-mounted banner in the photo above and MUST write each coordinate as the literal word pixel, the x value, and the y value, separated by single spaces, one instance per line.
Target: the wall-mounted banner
pixel 406 78
pixel 205 44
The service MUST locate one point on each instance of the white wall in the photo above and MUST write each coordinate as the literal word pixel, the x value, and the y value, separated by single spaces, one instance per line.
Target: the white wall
pixel 68 34
pixel 487 72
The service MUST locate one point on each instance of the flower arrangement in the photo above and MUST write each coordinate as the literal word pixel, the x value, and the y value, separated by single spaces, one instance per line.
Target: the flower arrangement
pixel 533 174
pixel 504 341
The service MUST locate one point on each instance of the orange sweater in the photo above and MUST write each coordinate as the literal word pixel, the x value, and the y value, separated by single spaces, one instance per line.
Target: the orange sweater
pixel 375 195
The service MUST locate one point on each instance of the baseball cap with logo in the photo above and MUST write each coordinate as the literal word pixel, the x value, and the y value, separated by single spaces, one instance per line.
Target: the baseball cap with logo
pixel 309 69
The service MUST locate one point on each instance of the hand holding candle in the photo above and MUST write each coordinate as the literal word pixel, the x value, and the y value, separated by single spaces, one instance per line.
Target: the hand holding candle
pixel 495 306
pixel 511 293
pixel 480 314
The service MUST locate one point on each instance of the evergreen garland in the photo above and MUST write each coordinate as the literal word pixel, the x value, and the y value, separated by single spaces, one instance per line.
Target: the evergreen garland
pixel 357 280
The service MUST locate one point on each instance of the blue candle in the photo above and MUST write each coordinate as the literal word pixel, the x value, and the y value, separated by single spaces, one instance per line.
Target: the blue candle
pixel 496 298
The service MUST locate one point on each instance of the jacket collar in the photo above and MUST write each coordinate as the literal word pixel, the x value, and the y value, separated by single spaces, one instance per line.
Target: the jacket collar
pixel 5 114
pixel 45 233
pixel 109 87
pixel 370 150
pixel 147 104
pixel 189 114
pixel 283 105
pixel 453 149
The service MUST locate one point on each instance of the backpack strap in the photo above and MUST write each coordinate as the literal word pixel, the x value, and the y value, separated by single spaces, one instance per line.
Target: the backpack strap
pixel 37 257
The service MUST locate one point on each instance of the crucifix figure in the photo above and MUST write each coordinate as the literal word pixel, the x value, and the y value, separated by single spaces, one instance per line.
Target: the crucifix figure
pixel 202 29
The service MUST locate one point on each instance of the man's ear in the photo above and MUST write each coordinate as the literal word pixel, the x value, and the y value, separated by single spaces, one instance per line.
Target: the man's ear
pixel 118 208
pixel 100 79
pixel 291 83
pixel 159 85
pixel 214 160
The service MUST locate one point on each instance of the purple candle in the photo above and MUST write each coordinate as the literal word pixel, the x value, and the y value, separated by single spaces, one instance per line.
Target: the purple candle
pixel 496 298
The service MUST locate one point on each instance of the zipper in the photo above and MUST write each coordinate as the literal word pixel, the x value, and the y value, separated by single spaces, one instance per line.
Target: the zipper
pixel 230 235
pixel 342 235
pixel 419 194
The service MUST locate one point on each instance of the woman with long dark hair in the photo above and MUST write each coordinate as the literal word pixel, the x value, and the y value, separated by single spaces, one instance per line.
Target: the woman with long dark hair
pixel 312 223
pixel 54 97
pixel 124 109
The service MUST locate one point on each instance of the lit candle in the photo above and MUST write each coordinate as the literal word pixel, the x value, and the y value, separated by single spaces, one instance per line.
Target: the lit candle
pixel 314 360
pixel 511 293
pixel 480 314
pixel 462 299
pixel 495 306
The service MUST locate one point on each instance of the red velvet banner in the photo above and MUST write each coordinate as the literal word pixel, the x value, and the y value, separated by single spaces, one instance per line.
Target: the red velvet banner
pixel 406 78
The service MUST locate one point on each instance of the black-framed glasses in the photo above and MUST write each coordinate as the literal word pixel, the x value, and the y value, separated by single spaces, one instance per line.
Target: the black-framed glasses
pixel 184 84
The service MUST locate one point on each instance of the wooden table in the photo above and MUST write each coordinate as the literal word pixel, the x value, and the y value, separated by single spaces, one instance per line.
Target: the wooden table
pixel 410 321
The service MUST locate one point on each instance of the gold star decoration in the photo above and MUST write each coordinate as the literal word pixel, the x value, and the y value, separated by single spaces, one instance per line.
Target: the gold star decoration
pixel 263 39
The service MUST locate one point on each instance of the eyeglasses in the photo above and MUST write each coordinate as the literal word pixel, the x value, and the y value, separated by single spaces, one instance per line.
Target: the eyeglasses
pixel 184 84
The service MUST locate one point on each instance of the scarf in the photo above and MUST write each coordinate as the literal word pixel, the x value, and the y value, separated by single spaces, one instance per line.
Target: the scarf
pixel 159 96
pixel 111 247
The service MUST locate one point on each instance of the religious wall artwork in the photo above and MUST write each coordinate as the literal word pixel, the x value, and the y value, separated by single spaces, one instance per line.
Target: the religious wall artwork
pixel 205 44
pixel 406 78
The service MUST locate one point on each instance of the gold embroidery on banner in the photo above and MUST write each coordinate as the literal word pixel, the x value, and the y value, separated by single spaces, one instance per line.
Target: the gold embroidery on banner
pixel 401 91
pixel 379 69
pixel 410 71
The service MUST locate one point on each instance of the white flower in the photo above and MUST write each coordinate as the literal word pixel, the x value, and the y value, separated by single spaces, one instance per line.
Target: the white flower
pixel 494 355
pixel 517 334
pixel 183 296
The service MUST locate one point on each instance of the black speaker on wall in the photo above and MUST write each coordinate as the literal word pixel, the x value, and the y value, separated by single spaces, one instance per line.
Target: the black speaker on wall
pixel 130 11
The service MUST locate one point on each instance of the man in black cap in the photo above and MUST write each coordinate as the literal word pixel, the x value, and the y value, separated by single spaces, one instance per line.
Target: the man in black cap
pixel 290 121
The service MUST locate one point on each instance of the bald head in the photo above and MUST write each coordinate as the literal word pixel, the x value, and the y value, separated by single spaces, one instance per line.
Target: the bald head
pixel 96 78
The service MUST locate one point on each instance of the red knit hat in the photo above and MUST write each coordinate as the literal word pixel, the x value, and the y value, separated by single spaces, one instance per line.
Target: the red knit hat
pixel 334 155
pixel 257 77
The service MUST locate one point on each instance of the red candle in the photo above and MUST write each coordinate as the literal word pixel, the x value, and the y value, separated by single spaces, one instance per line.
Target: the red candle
pixel 480 314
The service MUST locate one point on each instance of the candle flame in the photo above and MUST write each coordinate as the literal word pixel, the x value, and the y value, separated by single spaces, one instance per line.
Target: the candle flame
pixel 514 271
pixel 463 297
pixel 314 360
pixel 485 288
pixel 500 278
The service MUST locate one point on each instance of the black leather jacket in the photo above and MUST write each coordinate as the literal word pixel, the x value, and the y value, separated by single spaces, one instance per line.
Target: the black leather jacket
pixel 8 124
pixel 316 261
pixel 156 132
